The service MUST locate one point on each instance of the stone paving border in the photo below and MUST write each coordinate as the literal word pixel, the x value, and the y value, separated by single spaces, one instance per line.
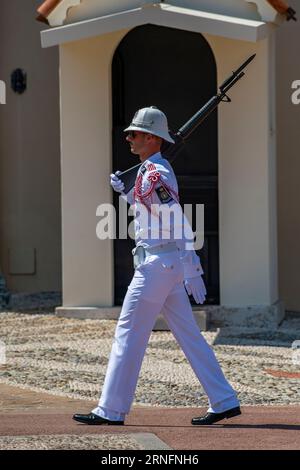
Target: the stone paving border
pixel 150 441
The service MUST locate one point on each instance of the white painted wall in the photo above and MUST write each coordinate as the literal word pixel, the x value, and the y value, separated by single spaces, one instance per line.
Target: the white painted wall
pixel 247 184
pixel 86 164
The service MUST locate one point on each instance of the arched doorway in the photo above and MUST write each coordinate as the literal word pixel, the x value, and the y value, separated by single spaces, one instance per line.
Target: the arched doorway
pixel 174 70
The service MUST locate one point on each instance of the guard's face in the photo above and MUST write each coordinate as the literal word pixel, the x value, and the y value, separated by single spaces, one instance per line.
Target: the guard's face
pixel 138 141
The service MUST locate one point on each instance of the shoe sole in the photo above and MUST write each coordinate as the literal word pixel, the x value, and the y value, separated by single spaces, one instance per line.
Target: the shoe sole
pixel 118 423
pixel 231 414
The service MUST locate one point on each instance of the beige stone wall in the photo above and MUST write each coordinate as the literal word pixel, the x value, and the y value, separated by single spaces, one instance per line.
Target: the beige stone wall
pixel 247 177
pixel 288 145
pixel 30 233
pixel 86 130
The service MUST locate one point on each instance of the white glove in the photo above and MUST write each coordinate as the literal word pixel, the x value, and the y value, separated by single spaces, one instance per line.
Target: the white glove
pixel 196 287
pixel 116 183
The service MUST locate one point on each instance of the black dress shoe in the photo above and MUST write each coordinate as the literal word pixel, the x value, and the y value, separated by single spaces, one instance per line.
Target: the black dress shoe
pixel 211 418
pixel 94 419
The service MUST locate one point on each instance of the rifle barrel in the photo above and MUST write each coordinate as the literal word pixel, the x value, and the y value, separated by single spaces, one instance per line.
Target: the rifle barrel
pixel 195 121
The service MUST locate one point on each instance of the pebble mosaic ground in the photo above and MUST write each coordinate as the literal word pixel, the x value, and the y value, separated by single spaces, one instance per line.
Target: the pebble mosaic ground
pixel 69 357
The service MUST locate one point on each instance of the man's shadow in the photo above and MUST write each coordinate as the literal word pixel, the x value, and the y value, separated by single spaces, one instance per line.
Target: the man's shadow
pixel 285 427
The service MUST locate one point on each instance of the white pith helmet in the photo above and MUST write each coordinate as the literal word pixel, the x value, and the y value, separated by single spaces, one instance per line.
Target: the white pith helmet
pixel 153 121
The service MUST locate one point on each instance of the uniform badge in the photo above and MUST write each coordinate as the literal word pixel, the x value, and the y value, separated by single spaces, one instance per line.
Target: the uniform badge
pixel 163 195
pixel 154 176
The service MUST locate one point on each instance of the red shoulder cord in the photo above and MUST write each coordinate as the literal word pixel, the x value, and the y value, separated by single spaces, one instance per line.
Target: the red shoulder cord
pixel 145 198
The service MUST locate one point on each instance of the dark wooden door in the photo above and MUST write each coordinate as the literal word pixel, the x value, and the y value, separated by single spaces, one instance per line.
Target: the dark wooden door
pixel 174 70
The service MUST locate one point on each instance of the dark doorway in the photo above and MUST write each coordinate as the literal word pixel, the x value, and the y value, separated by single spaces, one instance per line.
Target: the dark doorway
pixel 174 70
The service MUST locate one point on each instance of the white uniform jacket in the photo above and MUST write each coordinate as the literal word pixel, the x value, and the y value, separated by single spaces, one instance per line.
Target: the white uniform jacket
pixel 159 218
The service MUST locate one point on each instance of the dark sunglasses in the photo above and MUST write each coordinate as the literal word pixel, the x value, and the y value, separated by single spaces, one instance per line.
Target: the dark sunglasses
pixel 134 134
pixel 131 134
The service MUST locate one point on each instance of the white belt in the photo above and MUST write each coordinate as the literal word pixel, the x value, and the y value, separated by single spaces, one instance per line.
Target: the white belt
pixel 163 248
pixel 140 253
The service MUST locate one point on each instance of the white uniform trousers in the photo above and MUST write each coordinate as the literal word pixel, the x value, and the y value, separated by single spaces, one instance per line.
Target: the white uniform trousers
pixel 157 286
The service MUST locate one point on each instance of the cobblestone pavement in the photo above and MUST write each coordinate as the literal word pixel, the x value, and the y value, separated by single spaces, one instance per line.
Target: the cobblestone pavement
pixel 69 442
pixel 68 357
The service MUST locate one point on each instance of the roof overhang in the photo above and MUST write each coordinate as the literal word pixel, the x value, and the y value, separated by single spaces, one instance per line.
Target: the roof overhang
pixel 162 15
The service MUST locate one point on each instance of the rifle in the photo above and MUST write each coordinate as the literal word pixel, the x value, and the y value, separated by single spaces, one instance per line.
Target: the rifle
pixel 170 151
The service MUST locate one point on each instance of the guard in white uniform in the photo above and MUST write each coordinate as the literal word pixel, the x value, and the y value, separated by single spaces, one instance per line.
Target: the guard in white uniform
pixel 166 266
